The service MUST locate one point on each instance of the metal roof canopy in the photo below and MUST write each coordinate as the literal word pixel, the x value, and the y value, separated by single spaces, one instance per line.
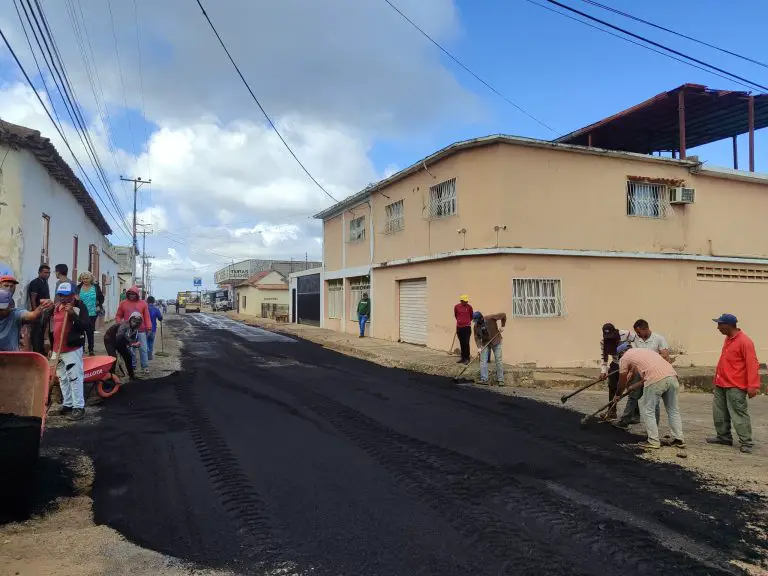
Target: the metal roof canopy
pixel 692 114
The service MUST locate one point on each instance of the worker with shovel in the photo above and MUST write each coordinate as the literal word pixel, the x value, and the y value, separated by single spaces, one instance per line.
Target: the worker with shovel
pixel 488 338
pixel 612 338
pixel 659 382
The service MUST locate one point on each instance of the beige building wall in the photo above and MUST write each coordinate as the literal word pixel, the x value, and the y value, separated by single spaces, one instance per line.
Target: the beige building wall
pixel 333 243
pixel 667 294
pixel 271 289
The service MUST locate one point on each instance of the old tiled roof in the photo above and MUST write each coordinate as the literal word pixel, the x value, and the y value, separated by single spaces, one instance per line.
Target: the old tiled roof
pixel 28 139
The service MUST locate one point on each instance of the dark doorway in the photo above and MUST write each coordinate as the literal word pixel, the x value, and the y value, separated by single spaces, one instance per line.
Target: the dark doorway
pixel 308 299
pixel 293 305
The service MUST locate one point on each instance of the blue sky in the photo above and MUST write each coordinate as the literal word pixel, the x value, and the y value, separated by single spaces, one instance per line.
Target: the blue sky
pixel 356 91
pixel 569 75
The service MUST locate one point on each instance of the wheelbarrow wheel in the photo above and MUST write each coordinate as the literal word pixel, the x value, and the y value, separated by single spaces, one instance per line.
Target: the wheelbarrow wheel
pixel 107 388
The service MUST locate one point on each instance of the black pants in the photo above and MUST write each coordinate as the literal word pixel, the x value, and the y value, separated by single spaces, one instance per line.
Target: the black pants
pixel 125 352
pixel 464 334
pixel 37 336
pixel 613 381
pixel 89 333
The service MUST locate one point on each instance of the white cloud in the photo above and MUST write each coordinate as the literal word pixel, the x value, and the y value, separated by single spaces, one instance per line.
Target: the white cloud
pixel 335 76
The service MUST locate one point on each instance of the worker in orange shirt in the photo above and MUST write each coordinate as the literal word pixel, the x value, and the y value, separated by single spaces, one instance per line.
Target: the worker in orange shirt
pixel 736 379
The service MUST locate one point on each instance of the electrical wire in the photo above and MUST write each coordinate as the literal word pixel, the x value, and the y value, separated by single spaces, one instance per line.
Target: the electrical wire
pixel 58 70
pixel 629 40
pixel 263 111
pixel 676 33
pixel 659 45
pixel 122 80
pixel 469 71
pixel 50 117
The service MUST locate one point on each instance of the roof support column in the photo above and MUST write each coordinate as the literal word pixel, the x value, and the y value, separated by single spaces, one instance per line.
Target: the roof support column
pixel 735 154
pixel 681 121
pixel 751 119
pixel 589 139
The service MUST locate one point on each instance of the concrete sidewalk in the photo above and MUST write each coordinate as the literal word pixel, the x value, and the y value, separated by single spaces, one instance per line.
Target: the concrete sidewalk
pixel 441 363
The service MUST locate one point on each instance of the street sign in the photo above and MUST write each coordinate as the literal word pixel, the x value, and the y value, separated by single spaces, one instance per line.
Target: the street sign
pixel 197 281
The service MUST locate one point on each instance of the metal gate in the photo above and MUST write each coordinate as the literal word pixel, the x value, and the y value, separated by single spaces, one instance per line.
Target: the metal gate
pixel 413 311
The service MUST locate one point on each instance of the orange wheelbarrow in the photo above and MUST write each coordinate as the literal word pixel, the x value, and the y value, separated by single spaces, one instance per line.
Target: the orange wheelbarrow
pixel 23 393
pixel 98 372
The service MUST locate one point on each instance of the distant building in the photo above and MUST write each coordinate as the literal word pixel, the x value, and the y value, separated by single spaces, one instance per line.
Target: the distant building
pixel 564 236
pixel 126 259
pixel 234 274
pixel 265 294
pixel 48 217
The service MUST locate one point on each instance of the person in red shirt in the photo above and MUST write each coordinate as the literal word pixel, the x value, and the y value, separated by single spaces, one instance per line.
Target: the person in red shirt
pixel 70 321
pixel 463 313
pixel 736 379
pixel 134 303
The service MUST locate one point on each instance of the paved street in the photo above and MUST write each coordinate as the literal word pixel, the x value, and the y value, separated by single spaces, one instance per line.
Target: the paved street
pixel 269 454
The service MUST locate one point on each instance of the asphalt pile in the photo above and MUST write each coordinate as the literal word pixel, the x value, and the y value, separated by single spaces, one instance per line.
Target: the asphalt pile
pixel 275 457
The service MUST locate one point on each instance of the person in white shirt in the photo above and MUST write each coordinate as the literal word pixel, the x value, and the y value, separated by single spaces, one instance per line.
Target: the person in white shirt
pixel 648 340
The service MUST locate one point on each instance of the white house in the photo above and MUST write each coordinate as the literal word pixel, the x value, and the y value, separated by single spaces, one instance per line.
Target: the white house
pixel 48 217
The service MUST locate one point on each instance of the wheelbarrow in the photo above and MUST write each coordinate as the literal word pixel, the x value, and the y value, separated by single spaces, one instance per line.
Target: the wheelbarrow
pixel 24 378
pixel 98 373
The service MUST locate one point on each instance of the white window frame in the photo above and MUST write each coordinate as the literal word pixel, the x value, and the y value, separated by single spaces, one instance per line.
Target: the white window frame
pixel 335 299
pixel 395 217
pixel 357 287
pixel 647 199
pixel 442 200
pixel 357 229
pixel 537 298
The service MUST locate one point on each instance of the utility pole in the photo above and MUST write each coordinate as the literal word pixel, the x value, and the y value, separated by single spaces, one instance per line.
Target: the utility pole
pixel 137 183
pixel 144 233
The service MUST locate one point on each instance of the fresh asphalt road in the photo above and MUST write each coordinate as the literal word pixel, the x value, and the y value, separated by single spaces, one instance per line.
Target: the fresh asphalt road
pixel 273 455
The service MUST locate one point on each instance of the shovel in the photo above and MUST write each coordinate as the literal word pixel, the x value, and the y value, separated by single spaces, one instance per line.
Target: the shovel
pixel 566 397
pixel 162 343
pixel 589 417
pixel 55 362
pixel 457 378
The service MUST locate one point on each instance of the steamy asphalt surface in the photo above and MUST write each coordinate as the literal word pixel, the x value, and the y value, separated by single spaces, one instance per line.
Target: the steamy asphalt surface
pixel 273 455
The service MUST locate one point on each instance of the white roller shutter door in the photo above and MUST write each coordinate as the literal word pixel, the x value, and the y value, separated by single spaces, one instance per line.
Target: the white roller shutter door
pixel 413 311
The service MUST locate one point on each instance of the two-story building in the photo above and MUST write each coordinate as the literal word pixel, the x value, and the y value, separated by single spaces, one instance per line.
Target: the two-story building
pixel 561 237
pixel 48 217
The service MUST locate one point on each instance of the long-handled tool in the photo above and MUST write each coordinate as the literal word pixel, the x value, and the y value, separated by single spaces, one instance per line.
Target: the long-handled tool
pixel 162 343
pixel 566 397
pixel 55 359
pixel 450 350
pixel 589 417
pixel 457 378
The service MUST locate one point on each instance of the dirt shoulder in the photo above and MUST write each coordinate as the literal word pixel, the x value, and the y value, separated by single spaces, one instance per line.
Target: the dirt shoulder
pixel 61 539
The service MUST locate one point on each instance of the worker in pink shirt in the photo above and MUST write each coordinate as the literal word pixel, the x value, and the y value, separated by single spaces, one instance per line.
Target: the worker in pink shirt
pixel 659 381
pixel 736 379
pixel 134 303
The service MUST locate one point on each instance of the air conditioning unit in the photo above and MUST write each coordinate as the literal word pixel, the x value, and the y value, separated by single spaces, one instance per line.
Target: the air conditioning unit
pixel 680 195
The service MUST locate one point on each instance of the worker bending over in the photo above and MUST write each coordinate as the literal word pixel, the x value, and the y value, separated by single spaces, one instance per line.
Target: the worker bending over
pixel 658 382
pixel 488 337
pixel 612 338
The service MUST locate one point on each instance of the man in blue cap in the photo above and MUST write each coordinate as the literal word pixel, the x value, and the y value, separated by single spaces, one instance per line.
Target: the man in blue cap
pixel 488 338
pixel 736 379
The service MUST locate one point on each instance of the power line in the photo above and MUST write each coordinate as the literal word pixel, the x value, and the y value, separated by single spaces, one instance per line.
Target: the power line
pixel 58 70
pixel 636 43
pixel 50 117
pixel 122 81
pixel 263 111
pixel 658 45
pixel 680 34
pixel 469 71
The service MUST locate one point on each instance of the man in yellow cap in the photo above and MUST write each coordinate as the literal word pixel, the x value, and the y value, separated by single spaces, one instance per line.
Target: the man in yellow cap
pixel 463 314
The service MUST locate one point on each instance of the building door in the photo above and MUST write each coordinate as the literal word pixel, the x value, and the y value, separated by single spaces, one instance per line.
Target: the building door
pixel 293 305
pixel 413 311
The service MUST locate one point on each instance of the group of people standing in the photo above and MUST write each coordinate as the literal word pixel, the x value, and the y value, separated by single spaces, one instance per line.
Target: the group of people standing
pixel 641 366
pixel 69 321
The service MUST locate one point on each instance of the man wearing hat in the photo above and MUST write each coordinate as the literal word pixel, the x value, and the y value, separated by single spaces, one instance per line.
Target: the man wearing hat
pixel 70 320
pixel 736 379
pixel 463 314
pixel 12 318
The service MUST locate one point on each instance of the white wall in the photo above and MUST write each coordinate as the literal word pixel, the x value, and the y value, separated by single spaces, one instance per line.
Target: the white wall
pixel 41 193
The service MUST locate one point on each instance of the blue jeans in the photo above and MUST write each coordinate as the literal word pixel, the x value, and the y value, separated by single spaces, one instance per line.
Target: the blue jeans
pixel 150 345
pixel 485 357
pixel 142 350
pixel 362 319
pixel 664 390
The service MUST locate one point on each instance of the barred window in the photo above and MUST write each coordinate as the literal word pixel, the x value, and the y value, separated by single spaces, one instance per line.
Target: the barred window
pixel 442 199
pixel 537 297
pixel 335 298
pixel 357 287
pixel 647 200
pixel 394 214
pixel 357 229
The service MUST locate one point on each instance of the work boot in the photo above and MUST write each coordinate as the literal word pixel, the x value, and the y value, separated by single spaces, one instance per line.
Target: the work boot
pixel 63 411
pixel 620 424
pixel 77 414
pixel 674 443
pixel 460 361
pixel 746 449
pixel 720 441
pixel 645 445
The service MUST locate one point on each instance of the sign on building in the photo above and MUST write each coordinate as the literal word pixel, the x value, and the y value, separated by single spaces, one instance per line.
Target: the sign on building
pixel 197 281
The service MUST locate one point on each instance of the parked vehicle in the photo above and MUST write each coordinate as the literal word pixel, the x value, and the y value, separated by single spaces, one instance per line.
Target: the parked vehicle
pixel 222 306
